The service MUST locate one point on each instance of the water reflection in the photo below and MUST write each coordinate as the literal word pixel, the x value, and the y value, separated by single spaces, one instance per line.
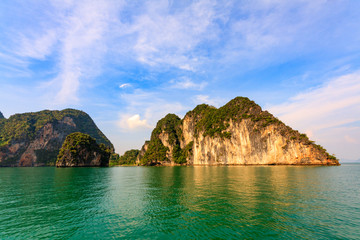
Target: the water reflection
pixel 55 203
pixel 232 202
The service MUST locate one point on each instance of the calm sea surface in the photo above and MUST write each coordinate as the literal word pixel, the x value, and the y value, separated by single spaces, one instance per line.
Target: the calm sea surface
pixel 270 202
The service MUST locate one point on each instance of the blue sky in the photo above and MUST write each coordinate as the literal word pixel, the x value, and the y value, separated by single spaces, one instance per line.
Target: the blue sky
pixel 129 63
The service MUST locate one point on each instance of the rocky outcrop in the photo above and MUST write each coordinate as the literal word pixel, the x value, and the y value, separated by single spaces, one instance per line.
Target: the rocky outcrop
pixel 142 152
pixel 239 133
pixel 81 150
pixel 1 116
pixel 34 139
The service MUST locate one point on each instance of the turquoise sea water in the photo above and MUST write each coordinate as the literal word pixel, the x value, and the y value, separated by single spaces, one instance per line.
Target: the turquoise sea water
pixel 269 202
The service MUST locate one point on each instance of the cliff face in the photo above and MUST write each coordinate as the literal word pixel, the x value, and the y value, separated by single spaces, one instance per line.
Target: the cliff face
pixel 237 133
pixel 34 139
pixel 81 150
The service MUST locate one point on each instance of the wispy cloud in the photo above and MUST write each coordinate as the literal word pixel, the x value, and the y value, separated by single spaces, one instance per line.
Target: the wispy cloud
pixel 213 101
pixel 187 83
pixel 83 45
pixel 168 36
pixel 330 109
pixel 81 35
pixel 39 46
pixel 151 105
pixel 335 103
pixel 125 85
pixel 76 33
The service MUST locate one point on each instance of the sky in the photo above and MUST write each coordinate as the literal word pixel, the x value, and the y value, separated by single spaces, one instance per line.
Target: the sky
pixel 129 63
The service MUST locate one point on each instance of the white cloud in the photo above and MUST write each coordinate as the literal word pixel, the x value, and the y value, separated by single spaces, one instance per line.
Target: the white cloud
pixel 77 33
pixel 134 122
pixel 328 112
pixel 83 45
pixel 216 102
pixel 80 34
pixel 125 85
pixel 37 47
pixel 168 37
pixel 333 104
pixel 271 32
pixel 152 105
pixel 187 83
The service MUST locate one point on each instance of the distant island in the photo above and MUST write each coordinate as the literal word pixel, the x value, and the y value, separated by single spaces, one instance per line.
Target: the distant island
pixel 238 133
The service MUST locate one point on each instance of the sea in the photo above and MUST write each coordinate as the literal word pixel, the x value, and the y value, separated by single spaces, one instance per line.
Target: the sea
pixel 182 202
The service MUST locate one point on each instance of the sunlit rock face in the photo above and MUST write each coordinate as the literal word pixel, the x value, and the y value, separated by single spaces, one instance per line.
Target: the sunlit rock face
pixel 239 133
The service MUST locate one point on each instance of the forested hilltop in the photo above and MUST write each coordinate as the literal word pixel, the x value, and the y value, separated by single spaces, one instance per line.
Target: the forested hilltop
pixel 237 133
pixel 34 139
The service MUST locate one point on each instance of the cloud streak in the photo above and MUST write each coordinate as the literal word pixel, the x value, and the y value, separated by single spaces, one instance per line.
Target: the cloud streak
pixel 328 112
pixel 83 45
pixel 151 105
pixel 187 83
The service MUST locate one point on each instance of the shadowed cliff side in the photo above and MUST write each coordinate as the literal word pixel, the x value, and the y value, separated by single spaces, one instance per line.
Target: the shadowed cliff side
pixel 238 133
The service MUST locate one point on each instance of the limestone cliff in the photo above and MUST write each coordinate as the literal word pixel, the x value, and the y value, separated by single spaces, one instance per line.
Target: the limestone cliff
pixel 239 133
pixel 34 139
pixel 81 150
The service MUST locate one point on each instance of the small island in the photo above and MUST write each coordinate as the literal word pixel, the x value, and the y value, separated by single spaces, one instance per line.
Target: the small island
pixel 81 150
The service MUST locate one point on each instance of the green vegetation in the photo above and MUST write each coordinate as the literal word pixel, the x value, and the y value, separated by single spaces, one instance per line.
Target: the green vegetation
pixel 114 159
pixel 74 145
pixel 294 135
pixel 214 122
pixel 1 116
pixel 129 158
pixel 156 151
pixel 46 157
pixel 169 126
pixel 25 126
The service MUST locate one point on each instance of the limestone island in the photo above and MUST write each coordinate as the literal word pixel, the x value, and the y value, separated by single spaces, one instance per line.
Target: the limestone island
pixel 238 133
pixel 81 150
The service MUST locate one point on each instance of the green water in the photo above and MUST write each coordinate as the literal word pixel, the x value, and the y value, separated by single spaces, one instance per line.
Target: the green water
pixel 269 202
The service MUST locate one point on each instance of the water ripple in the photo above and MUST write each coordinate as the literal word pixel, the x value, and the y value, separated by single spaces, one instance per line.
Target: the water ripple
pixel 280 202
